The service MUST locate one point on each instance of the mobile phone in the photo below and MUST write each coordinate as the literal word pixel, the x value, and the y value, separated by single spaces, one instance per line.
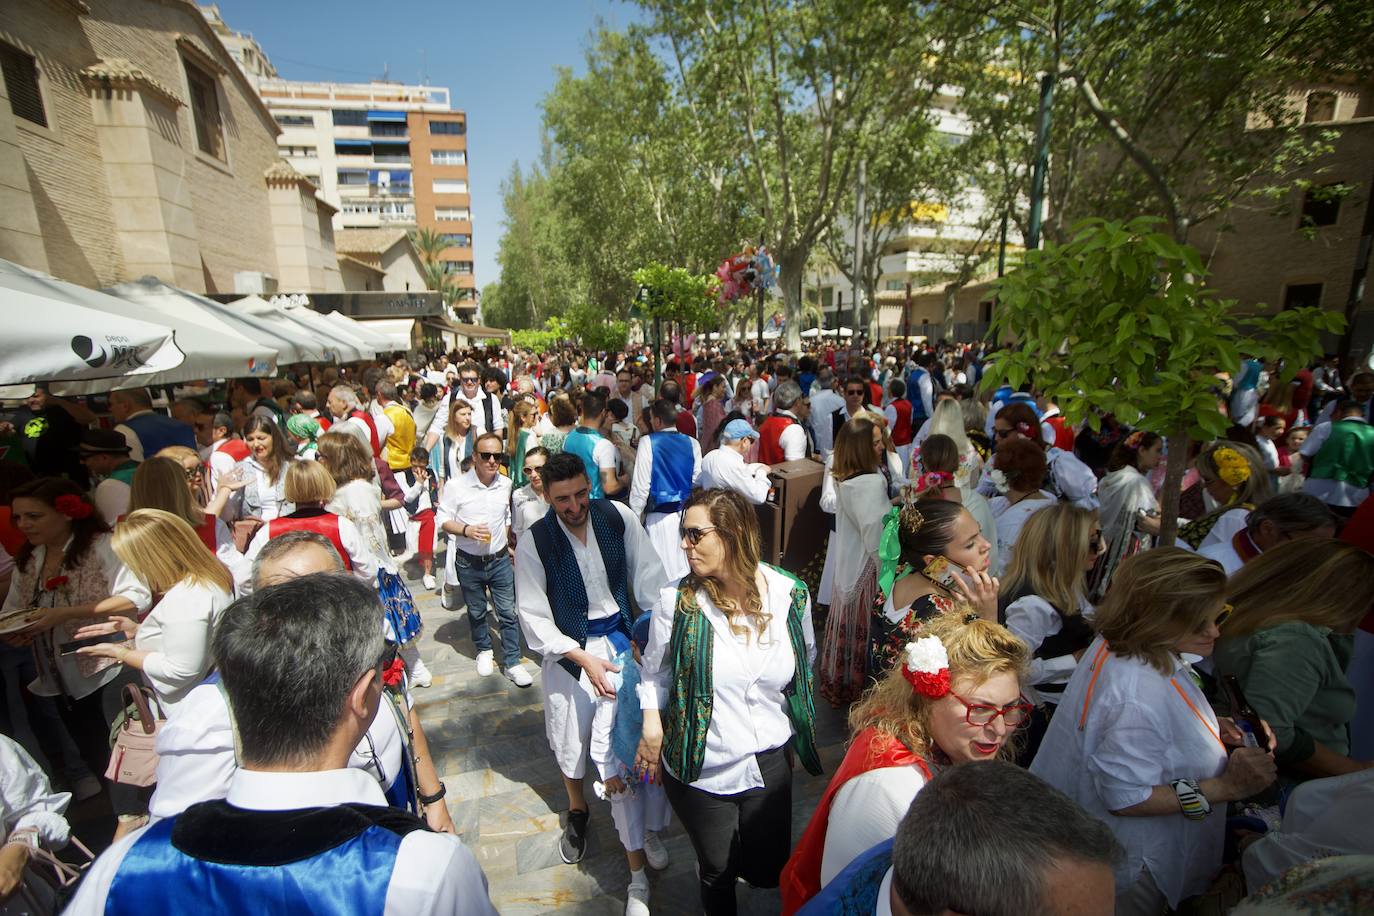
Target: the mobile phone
pixel 941 572
pixel 69 648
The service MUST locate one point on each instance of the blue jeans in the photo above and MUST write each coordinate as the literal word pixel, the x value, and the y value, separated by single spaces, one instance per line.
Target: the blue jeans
pixel 475 576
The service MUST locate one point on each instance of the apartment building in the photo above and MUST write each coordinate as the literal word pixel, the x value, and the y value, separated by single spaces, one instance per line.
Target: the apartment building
pixel 131 143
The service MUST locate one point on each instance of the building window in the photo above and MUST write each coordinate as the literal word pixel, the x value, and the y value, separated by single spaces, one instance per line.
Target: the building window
pixel 1321 206
pixel 205 110
pixel 1321 106
pixel 457 239
pixel 290 120
pixel 457 267
pixel 451 213
pixel 300 152
pixel 450 186
pixel 453 128
pixel 380 129
pixel 352 177
pixel 21 81
pixel 985 311
pixel 350 117
pixel 448 157
pixel 1302 295
pixel 895 285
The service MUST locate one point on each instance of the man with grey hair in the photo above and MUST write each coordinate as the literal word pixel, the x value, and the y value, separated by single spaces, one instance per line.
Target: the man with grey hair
pixel 349 416
pixel 1277 519
pixel 986 838
pixel 784 436
pixel 298 824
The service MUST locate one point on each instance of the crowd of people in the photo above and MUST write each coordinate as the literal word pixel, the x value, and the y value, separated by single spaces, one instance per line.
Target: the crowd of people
pixel 210 599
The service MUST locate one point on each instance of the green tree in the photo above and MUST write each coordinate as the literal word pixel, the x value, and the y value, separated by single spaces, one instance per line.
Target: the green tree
pixel 1118 321
pixel 429 245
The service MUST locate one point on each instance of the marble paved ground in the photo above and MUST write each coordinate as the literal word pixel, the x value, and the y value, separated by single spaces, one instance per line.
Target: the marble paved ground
pixel 507 799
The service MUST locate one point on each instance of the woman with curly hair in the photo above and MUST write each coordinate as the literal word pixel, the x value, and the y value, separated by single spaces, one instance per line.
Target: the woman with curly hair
pixel 956 696
pixel 726 692
pixel 1233 475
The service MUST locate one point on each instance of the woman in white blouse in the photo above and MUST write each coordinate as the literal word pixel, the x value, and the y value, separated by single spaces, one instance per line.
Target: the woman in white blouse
pixel 31 815
pixel 1135 741
pixel 905 729
pixel 1018 473
pixel 261 498
pixel 727 698
pixel 172 644
pixel 1044 601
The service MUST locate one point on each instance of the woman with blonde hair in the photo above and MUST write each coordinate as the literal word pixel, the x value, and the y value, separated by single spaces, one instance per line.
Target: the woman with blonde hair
pixel 1044 600
pixel 1234 476
pixel 172 644
pixel 726 692
pixel 955 697
pixel 197 481
pixel 861 503
pixel 1290 642
pixel 1135 741
pixel 520 439
pixel 163 483
pixel 358 498
pixel 309 487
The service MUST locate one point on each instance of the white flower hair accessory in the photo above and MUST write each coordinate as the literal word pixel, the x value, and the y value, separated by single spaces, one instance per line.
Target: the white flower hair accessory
pixel 926 667
pixel 999 480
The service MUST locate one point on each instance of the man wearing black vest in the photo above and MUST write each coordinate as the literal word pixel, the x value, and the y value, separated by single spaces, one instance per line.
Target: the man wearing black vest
pixel 576 571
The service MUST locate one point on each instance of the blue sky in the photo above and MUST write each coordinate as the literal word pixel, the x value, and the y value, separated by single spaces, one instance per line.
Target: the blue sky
pixel 497 58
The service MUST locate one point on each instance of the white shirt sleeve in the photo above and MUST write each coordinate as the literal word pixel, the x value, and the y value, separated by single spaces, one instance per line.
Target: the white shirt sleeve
pixel 643 476
pixel 653 683
pixel 532 602
pixel 793 442
pixel 111 498
pixel 27 799
pixel 364 564
pixel 1076 480
pixel 1315 440
pixel 604 455
pixel 828 486
pixel 436 426
pixel 927 390
pixel 1034 620
pixel 184 656
pixel 131 437
pixel 865 812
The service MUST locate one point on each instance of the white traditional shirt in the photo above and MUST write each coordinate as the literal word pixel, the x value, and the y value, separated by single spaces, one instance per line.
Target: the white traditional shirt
pixel 176 634
pixel 748 675
pixel 434 874
pixel 1034 620
pixel 27 801
pixel 725 469
pixel 865 812
pixel 644 470
pixel 527 507
pixel 360 501
pixel 1142 729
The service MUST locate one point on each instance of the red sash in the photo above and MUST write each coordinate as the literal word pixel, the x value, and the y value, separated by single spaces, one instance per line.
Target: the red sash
pixel 326 523
pixel 1243 546
pixel 371 430
pixel 234 448
pixel 207 533
pixel 871 750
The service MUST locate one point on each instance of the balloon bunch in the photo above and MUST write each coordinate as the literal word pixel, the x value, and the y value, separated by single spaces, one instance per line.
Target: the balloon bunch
pixel 752 269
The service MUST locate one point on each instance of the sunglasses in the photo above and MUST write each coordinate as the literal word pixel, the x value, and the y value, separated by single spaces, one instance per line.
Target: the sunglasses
pixel 468 381
pixel 388 656
pixel 854 393
pixel 193 473
pixel 530 472
pixel 1014 714
pixel 693 536
pixel 1226 611
pixel 1002 433
pixel 489 456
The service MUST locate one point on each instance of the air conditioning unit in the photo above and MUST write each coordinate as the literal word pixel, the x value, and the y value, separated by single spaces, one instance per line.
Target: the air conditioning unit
pixel 254 282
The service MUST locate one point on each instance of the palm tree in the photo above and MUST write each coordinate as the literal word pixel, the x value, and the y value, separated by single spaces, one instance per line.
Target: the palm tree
pixel 430 245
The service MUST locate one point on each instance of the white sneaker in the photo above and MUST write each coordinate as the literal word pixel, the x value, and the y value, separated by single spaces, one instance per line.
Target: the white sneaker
pixel 429 581
pixel 420 676
pixel 637 900
pixel 485 664
pixel 654 851
pixel 518 675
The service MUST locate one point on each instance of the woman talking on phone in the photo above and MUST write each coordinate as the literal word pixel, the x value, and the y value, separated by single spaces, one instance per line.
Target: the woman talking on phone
pixel 934 559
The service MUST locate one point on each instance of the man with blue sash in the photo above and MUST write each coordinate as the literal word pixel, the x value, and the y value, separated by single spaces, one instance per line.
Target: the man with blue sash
pixel 597 453
pixel 299 831
pixel 576 572
pixel 667 465
pixel 986 838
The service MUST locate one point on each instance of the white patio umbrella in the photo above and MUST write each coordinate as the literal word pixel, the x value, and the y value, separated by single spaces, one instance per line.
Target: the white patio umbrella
pixel 335 347
pixel 383 341
pixel 337 330
pixel 811 332
pixel 278 334
pixel 57 331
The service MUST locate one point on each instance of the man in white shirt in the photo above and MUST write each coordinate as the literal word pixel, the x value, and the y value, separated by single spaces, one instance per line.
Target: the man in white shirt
pixel 635 401
pixel 758 390
pixel 295 811
pixel 1279 518
pixel 596 554
pixel 469 390
pixel 824 402
pixel 1361 391
pixel 474 511
pixel 487 411
pixel 667 464
pixel 725 468
pixel 1042 852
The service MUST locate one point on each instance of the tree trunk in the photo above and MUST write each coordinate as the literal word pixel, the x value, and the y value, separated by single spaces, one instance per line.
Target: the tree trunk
pixel 951 302
pixel 1173 479
pixel 791 265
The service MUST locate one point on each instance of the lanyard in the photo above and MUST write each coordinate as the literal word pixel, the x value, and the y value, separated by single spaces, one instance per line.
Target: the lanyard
pixel 1100 661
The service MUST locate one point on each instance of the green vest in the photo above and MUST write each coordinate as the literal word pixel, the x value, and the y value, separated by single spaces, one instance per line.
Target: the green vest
pixel 692 693
pixel 1347 454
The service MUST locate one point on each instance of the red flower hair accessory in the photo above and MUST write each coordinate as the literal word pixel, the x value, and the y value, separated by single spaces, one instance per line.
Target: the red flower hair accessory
pixel 73 507
pixel 53 583
pixel 1023 428
pixel 394 672
pixel 1135 438
pixel 926 667
pixel 932 480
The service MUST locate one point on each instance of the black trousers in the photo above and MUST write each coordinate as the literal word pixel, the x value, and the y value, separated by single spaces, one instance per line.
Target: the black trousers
pixel 747 835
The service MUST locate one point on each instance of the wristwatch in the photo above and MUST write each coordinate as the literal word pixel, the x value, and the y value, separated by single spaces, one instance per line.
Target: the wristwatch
pixel 1190 798
pixel 431 799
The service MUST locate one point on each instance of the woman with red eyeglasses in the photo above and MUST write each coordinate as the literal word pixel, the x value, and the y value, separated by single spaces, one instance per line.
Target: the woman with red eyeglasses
pixel 1135 741
pixel 955 697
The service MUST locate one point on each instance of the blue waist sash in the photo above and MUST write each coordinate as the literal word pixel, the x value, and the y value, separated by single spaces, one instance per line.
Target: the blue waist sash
pixel 674 506
pixel 613 628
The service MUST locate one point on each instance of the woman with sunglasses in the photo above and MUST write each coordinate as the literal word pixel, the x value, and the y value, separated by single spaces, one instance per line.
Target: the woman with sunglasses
pixel 161 483
pixel 955 697
pixel 726 696
pixel 529 504
pixel 1135 741
pixel 1290 644
pixel 1066 477
pixel 1044 600
pixel 1130 511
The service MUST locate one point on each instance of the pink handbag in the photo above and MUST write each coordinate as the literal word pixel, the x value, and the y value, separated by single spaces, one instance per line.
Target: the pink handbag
pixel 133 757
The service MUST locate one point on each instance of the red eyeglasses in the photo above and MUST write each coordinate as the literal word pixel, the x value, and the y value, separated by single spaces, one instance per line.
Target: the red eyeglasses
pixel 1014 714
